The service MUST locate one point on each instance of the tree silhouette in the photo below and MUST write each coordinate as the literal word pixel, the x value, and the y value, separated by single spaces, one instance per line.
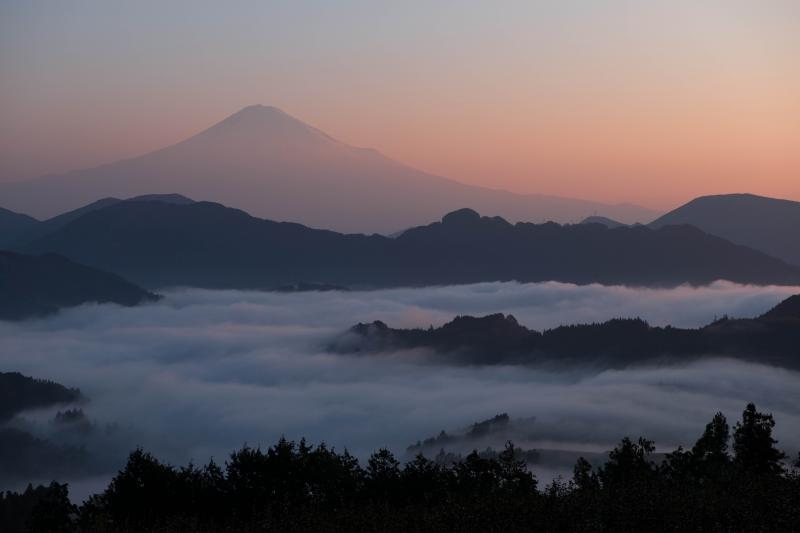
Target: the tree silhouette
pixel 753 443
pixel 294 486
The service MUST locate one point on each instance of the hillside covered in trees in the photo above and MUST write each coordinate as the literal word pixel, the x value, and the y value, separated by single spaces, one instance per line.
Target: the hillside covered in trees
pixel 771 338
pixel 738 482
pixel 18 392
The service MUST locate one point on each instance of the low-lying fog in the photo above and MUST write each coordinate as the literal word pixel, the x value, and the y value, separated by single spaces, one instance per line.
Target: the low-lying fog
pixel 203 372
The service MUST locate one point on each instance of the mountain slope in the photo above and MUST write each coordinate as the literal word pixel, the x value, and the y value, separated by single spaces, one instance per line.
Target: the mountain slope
pixel 498 339
pixel 39 285
pixel 31 229
pixel 208 245
pixel 767 224
pixel 14 226
pixel 272 165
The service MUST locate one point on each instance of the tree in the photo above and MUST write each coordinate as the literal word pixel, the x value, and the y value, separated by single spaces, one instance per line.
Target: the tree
pixel 628 462
pixel 712 446
pixel 514 475
pixel 583 477
pixel 52 513
pixel 383 472
pixel 753 443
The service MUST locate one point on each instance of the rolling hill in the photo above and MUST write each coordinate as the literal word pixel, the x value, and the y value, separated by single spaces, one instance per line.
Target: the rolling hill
pixel 15 227
pixel 767 224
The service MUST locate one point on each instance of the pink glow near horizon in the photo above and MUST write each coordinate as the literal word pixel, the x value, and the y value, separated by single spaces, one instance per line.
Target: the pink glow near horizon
pixel 617 102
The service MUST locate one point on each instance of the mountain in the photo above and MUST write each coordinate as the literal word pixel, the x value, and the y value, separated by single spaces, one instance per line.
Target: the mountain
pixel 767 224
pixel 14 226
pixel 273 165
pixel 205 244
pixel 772 338
pixel 33 286
pixel 605 221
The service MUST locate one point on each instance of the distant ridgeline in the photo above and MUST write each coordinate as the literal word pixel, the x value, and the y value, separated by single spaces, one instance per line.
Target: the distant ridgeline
pixel 772 338
pixel 158 242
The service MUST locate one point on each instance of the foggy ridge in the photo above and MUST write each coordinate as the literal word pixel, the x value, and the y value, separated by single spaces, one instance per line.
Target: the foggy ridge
pixel 771 338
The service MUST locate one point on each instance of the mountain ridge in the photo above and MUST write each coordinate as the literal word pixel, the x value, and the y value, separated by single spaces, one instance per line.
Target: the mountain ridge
pixel 209 245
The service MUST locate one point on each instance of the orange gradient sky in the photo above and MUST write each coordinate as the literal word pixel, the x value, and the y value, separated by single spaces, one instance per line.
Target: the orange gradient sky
pixel 619 101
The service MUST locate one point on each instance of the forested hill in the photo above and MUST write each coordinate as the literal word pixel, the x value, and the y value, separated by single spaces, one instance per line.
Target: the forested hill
pixel 772 338
pixel 18 392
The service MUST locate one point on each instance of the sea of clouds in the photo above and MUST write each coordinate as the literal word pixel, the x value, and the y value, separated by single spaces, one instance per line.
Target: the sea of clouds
pixel 202 372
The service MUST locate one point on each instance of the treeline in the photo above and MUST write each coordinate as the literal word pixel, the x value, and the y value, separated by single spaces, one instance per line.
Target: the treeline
pixel 739 482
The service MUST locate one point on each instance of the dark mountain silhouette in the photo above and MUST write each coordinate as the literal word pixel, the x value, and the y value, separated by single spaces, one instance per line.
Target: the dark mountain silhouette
pixel 772 338
pixel 767 224
pixel 39 285
pixel 789 309
pixel 273 165
pixel 204 244
pixel 18 229
pixel 605 221
pixel 15 227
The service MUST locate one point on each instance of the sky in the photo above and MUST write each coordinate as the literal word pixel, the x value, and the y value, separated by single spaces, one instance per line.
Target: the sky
pixel 612 100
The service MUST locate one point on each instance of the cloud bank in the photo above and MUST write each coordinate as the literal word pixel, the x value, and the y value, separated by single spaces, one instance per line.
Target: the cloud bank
pixel 203 372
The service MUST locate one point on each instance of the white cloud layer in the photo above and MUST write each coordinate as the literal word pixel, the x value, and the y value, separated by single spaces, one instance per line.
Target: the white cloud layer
pixel 203 372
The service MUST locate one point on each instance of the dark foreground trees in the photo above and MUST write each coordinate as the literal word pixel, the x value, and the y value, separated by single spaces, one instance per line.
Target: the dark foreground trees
pixel 297 487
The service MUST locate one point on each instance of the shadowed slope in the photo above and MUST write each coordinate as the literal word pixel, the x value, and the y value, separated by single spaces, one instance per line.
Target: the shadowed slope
pixel 39 285
pixel 767 224
pixel 205 244
pixel 14 226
